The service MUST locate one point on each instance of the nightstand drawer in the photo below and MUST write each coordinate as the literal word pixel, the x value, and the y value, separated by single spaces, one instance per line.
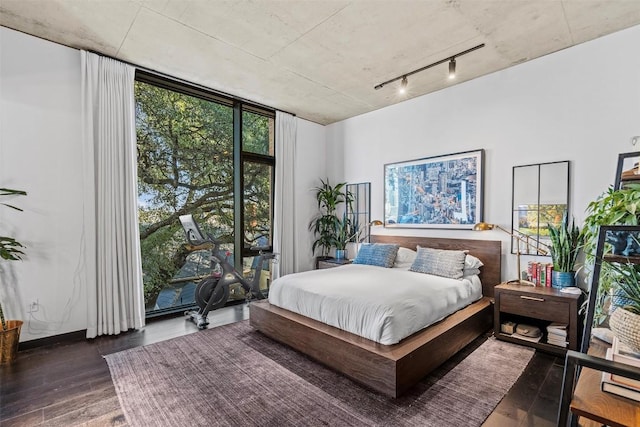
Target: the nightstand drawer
pixel 537 306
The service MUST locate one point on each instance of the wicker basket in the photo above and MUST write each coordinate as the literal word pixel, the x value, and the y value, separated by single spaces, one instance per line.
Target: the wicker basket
pixel 9 339
pixel 626 326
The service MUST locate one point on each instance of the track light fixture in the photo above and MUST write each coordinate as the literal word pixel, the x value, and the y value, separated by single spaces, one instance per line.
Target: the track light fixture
pixel 403 85
pixel 452 69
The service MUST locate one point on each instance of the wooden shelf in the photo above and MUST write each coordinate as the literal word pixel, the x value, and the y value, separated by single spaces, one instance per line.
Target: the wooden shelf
pixel 621 259
pixel 591 402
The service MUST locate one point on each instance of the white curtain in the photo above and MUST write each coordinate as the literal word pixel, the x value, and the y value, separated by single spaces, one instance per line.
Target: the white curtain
pixel 284 200
pixel 114 286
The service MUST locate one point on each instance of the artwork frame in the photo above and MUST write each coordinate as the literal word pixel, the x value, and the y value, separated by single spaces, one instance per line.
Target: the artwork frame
pixel 628 170
pixel 417 199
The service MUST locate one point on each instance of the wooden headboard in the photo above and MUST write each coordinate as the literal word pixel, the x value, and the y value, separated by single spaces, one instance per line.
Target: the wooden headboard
pixel 488 251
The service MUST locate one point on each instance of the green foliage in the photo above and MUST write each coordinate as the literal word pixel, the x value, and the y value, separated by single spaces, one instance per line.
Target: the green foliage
pixel 10 248
pixel 346 231
pixel 327 226
pixel 185 166
pixel 614 207
pixel 566 242
pixel 627 279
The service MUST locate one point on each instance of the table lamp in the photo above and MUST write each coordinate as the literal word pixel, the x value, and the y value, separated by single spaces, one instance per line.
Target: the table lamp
pixel 521 237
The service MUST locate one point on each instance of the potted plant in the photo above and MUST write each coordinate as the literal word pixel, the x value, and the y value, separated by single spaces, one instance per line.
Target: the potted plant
pixel 566 242
pixel 613 207
pixel 347 231
pixel 327 224
pixel 625 319
pixel 10 250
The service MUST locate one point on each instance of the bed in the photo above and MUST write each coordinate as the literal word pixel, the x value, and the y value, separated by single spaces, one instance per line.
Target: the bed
pixel 390 369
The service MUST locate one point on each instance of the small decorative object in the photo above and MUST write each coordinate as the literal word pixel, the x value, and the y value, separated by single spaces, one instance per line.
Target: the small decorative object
pixel 341 253
pixel 566 242
pixel 435 192
pixel 508 327
pixel 528 330
pixel 625 320
pixel 626 326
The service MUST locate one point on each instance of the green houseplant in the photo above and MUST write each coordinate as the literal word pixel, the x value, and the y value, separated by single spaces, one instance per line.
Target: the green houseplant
pixel 613 207
pixel 10 250
pixel 326 223
pixel 625 319
pixel 566 242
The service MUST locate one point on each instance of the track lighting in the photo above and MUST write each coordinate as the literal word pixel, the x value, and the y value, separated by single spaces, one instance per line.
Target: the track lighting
pixel 452 69
pixel 403 85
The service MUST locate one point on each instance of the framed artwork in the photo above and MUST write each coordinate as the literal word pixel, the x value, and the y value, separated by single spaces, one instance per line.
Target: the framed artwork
pixel 435 192
pixel 628 169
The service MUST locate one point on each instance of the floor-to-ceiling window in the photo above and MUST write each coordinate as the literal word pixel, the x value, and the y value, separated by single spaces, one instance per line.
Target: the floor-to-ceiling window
pixel 210 156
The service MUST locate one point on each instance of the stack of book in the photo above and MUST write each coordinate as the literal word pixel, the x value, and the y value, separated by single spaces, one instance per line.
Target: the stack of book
pixel 557 334
pixel 539 273
pixel 617 384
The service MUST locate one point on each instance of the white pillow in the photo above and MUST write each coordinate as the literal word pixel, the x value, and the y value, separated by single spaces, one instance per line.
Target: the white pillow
pixel 470 271
pixel 472 262
pixel 404 258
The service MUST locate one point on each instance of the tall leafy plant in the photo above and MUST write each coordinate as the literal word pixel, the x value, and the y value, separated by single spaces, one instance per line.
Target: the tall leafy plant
pixel 326 225
pixel 613 207
pixel 566 242
pixel 10 248
pixel 627 279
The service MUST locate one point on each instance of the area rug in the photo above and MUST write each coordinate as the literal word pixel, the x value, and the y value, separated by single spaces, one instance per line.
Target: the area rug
pixel 235 376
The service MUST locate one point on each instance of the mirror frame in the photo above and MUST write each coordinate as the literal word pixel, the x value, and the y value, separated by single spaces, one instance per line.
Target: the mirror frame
pixel 516 211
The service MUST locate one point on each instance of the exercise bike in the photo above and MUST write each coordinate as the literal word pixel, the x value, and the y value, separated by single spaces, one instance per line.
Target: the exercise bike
pixel 212 292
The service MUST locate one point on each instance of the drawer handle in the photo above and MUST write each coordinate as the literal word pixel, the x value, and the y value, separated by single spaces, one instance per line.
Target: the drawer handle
pixel 532 298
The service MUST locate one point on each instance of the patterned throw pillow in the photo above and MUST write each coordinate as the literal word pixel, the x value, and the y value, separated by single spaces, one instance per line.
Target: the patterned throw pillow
pixel 378 254
pixel 439 262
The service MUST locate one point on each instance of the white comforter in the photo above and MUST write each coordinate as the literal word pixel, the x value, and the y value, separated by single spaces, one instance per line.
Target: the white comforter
pixel 382 304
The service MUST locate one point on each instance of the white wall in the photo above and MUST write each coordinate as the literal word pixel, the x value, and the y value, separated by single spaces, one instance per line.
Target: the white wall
pixel 581 104
pixel 40 153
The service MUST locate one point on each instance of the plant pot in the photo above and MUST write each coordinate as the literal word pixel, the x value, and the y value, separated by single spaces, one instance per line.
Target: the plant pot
pixel 9 339
pixel 563 279
pixel 341 253
pixel 625 325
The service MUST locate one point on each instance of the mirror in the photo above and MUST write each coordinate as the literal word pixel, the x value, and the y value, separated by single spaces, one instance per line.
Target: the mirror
pixel 540 196
pixel 359 211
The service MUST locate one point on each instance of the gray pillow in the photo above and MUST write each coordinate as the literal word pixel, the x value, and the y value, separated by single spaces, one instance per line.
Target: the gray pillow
pixel 439 262
pixel 378 254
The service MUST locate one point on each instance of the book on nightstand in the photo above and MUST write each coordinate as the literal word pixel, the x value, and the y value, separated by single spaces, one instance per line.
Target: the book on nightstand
pixel 557 334
pixel 617 384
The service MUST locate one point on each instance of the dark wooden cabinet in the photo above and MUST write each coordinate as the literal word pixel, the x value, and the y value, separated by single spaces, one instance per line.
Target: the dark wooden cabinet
pixel 331 262
pixel 537 306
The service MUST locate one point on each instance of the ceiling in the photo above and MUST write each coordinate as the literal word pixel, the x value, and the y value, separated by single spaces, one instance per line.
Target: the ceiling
pixel 319 59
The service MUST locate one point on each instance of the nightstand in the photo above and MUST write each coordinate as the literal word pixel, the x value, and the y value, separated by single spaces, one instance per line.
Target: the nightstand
pixel 331 263
pixel 537 306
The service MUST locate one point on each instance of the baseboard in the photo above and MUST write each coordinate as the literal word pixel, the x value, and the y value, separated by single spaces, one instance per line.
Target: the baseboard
pixel 67 338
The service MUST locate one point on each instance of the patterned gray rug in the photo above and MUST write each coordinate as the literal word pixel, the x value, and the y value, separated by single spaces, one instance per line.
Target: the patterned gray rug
pixel 235 376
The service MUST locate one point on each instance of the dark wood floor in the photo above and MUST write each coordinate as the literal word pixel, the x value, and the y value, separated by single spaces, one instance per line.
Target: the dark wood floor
pixel 69 384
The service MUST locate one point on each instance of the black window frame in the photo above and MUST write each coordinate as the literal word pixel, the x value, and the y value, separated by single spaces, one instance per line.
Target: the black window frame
pixel 239 156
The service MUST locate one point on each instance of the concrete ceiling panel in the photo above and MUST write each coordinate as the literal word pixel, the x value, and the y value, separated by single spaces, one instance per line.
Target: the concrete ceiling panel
pixel 319 59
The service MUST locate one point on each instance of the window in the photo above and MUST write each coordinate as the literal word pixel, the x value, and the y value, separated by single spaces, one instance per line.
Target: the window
pixel 206 155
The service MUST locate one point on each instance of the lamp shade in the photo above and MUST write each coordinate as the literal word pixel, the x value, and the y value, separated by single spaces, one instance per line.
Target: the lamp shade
pixel 483 226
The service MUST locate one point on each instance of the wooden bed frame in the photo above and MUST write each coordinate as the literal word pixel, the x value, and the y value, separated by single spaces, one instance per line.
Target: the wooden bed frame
pixel 390 369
